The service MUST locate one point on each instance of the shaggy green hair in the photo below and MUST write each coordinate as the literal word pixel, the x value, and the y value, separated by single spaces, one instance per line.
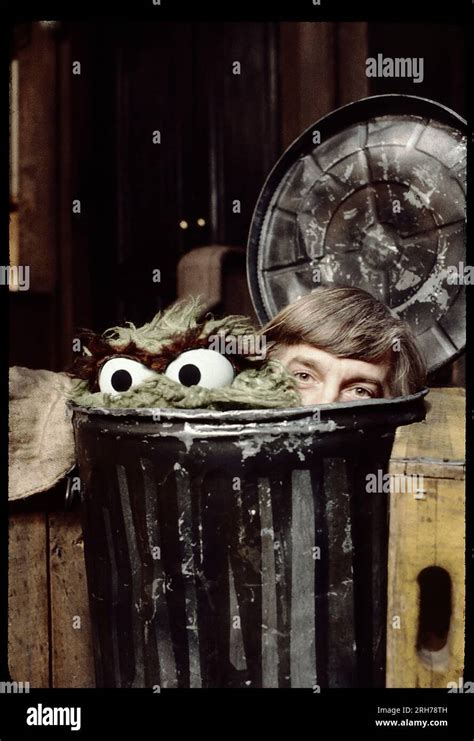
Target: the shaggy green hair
pixel 259 383
pixel 180 317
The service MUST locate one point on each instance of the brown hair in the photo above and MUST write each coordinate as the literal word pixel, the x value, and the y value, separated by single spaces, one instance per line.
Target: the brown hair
pixel 351 323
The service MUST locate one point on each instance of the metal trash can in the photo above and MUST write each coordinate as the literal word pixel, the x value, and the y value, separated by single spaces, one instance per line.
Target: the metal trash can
pixel 241 548
pixel 238 548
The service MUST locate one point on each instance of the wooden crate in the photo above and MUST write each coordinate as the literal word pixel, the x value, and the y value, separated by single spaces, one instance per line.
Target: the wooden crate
pixel 49 625
pixel 427 531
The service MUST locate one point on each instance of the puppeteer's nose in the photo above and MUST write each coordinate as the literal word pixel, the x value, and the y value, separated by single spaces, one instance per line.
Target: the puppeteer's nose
pixel 329 393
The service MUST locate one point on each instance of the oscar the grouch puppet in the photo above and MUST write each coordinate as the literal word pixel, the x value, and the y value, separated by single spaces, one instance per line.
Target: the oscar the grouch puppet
pixel 175 361
pixel 178 361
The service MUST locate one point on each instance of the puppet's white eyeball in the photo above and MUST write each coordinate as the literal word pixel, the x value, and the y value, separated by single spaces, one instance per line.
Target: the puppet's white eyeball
pixel 206 368
pixel 121 374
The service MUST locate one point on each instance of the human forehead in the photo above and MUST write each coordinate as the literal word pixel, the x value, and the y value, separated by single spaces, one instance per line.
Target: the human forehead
pixel 324 361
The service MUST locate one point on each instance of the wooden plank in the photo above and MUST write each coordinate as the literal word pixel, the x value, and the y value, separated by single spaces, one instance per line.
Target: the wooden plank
pixel 72 657
pixel 353 50
pixel 425 532
pixel 37 163
pixel 28 604
pixel 440 438
pixel 320 69
pixel 67 301
pixel 437 469
pixel 308 69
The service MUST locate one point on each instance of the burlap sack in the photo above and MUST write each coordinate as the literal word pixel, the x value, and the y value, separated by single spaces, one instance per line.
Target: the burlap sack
pixel 41 441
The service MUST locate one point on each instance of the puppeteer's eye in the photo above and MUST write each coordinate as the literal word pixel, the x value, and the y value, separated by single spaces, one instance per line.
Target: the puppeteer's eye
pixel 121 374
pixel 201 367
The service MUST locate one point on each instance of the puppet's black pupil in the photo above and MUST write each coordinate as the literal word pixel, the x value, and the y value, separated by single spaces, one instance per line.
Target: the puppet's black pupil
pixel 121 380
pixel 189 375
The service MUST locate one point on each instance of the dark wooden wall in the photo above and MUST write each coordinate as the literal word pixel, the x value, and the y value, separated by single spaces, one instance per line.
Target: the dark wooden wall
pixel 218 138
pixel 89 137
pixel 443 49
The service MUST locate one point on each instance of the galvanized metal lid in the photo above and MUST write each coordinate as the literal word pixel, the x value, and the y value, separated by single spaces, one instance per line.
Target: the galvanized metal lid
pixel 372 195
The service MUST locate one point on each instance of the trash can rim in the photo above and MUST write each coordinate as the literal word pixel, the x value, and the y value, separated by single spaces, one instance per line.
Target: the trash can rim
pixel 255 415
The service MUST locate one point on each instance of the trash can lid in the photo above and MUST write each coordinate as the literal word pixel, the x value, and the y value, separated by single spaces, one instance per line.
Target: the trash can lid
pixel 371 195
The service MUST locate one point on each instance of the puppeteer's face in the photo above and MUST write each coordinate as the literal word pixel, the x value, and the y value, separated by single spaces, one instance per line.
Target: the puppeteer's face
pixel 323 378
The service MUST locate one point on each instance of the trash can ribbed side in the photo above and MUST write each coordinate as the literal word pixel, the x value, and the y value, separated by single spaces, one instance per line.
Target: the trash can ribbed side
pixel 234 560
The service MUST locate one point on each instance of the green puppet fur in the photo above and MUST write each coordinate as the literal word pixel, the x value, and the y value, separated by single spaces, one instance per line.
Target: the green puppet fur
pixel 180 317
pixel 265 385
pixel 270 387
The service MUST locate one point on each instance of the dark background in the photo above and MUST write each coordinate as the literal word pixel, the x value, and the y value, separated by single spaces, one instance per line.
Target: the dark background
pixel 89 137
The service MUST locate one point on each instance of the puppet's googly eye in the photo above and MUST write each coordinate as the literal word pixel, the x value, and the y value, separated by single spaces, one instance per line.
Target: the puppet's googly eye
pixel 121 374
pixel 206 368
